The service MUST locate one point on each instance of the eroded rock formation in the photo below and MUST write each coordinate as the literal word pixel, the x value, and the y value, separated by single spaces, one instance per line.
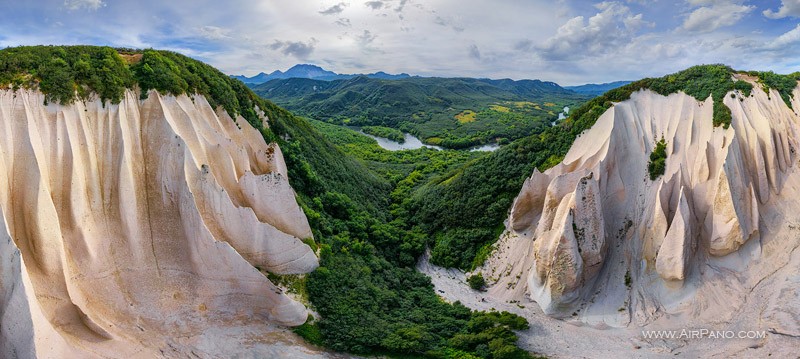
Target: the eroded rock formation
pixel 595 239
pixel 131 230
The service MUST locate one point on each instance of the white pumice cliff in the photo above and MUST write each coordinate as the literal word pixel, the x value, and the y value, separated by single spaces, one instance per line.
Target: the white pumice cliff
pixel 135 230
pixel 711 243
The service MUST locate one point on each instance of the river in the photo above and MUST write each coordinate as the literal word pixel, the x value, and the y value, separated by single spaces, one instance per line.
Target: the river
pixel 413 143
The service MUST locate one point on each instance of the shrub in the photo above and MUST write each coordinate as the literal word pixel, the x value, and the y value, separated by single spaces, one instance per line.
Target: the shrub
pixel 658 160
pixel 476 281
pixel 310 331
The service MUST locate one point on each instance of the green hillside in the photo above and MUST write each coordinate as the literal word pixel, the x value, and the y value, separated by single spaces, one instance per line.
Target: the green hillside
pixel 449 112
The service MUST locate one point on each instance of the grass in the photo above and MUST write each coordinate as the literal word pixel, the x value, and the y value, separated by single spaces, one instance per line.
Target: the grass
pixel 521 104
pixel 499 108
pixel 466 116
pixel 385 132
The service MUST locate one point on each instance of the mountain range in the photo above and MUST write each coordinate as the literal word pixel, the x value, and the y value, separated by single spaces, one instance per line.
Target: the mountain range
pixel 597 89
pixel 315 72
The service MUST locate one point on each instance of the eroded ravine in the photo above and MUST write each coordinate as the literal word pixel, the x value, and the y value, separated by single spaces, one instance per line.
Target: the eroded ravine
pixel 134 230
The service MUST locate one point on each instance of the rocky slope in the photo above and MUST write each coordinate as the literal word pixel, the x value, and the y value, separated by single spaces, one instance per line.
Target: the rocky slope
pixel 136 230
pixel 710 243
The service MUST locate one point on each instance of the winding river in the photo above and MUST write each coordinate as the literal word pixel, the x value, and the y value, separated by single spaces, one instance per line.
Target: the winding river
pixel 413 143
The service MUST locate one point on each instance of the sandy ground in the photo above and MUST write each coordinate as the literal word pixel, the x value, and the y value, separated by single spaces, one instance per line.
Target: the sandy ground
pixel 551 337
pixel 556 338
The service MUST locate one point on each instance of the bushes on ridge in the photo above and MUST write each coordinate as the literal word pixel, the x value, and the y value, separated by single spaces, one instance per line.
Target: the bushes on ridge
pixel 68 73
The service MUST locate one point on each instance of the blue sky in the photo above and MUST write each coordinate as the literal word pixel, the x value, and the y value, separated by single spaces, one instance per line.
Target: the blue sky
pixel 567 41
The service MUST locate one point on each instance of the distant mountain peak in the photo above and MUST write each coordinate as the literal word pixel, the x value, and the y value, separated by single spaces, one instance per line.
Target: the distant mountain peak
pixel 315 72
pixel 305 66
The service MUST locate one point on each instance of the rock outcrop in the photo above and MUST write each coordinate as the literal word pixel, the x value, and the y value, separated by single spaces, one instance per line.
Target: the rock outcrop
pixel 138 229
pixel 595 239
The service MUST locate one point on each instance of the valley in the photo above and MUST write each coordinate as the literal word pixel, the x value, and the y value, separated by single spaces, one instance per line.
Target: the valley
pixel 456 113
pixel 630 300
pixel 155 186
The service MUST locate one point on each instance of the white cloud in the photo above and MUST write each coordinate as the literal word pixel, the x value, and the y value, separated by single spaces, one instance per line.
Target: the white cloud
pixel 789 38
pixel 344 22
pixel 789 8
pixel 298 49
pixel 474 52
pixel 366 38
pixel 375 5
pixel 715 14
pixel 84 4
pixel 214 33
pixel 335 9
pixel 547 40
pixel 606 31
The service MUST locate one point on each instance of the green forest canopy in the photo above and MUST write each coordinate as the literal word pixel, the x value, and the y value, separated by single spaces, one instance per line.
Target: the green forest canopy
pixel 69 73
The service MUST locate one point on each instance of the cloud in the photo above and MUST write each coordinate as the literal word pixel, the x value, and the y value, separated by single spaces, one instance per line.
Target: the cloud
pixel 335 9
pixel 607 31
pixel 448 23
pixel 297 49
pixel 789 8
pixel 401 6
pixel 375 5
pixel 214 33
pixel 515 38
pixel 366 38
pixel 788 38
pixel 714 14
pixel 84 4
pixel 524 45
pixel 474 52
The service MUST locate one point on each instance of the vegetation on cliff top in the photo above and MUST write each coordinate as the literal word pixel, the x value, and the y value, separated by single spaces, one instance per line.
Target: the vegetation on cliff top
pixel 784 84
pixel 69 73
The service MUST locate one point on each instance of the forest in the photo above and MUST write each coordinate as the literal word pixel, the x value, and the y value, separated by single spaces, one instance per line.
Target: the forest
pixel 455 113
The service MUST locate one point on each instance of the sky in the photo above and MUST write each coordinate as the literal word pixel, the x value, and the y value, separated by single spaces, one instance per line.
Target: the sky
pixel 567 41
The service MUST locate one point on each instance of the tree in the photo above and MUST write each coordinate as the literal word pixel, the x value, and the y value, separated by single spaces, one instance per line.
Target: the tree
pixel 476 281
